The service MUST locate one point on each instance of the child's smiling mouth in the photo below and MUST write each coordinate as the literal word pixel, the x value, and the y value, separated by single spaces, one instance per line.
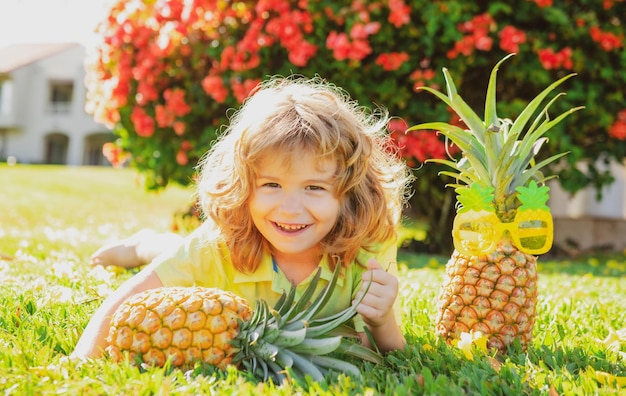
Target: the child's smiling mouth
pixel 290 227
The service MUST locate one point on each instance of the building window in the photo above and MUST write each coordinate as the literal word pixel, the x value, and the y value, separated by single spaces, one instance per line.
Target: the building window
pixel 6 96
pixel 3 100
pixel 3 144
pixel 56 145
pixel 61 96
pixel 93 149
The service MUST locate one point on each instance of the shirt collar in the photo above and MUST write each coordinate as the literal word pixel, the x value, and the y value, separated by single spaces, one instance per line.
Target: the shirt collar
pixel 265 273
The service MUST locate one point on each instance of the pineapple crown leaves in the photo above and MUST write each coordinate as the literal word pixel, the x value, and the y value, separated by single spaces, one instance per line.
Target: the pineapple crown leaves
pixel 492 148
pixel 533 196
pixel 475 197
pixel 288 337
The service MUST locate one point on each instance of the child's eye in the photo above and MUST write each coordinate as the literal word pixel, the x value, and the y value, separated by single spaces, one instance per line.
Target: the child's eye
pixel 315 188
pixel 271 185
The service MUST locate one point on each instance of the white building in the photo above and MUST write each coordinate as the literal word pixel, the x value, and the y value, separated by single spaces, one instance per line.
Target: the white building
pixel 42 99
pixel 583 223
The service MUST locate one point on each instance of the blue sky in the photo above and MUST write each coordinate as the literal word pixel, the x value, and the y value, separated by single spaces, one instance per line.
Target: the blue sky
pixel 40 21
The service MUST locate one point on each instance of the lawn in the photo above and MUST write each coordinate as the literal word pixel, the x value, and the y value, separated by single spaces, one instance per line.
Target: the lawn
pixel 53 218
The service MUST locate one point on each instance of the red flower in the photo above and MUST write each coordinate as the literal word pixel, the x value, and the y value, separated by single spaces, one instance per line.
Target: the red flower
pixel 343 49
pixel 214 87
pixel 476 36
pixel 559 60
pixel 163 117
pixel 185 145
pixel 392 60
pixel 289 29
pixel 608 41
pixel 146 92
pixel 464 46
pixel 548 59
pixel 511 38
pixel 181 158
pixel 175 106
pixel 339 43
pixel 542 3
pixel 359 50
pixel 280 6
pixel 114 154
pixel 143 123
pixel 483 42
pixel 241 90
pixel 421 78
pixel 119 94
pixel 480 23
pixel 364 30
pixel 422 145
pixel 618 130
pixel 397 125
pixel 400 13
pixel 179 128
pixel 300 54
pixel 175 102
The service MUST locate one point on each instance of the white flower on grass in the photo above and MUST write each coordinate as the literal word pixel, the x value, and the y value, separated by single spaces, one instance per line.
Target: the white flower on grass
pixel 103 278
pixel 614 341
pixel 105 229
pixel 104 290
pixel 38 284
pixel 465 342
pixel 25 257
pixel 100 274
pixel 63 270
pixel 71 235
pixel 57 295
pixel 8 274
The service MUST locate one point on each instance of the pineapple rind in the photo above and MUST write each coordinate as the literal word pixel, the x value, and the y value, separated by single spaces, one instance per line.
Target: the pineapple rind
pixel 156 322
pixel 495 294
pixel 185 326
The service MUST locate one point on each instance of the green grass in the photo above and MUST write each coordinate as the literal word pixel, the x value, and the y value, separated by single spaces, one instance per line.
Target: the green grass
pixel 53 218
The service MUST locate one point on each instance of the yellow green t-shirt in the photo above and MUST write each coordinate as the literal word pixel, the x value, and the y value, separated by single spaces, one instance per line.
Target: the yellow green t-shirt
pixel 203 260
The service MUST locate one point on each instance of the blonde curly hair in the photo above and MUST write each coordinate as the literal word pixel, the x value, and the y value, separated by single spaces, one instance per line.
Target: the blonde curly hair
pixel 286 115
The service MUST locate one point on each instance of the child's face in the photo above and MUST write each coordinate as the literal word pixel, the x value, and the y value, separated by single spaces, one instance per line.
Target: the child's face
pixel 294 207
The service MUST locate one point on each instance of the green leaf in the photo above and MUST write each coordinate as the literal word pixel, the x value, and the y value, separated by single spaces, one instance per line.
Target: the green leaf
pixel 529 110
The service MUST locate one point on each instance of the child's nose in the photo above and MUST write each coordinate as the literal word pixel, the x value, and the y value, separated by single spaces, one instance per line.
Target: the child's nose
pixel 291 203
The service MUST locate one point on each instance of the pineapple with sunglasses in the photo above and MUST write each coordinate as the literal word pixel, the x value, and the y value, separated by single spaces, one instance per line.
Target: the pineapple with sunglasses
pixel 502 219
pixel 477 229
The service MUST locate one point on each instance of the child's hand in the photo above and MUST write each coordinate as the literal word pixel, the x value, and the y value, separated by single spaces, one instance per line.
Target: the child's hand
pixel 376 308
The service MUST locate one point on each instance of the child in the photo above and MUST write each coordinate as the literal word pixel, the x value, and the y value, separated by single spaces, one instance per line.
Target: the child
pixel 302 178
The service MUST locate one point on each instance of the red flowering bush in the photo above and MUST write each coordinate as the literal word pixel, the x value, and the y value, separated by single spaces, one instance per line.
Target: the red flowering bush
pixel 167 72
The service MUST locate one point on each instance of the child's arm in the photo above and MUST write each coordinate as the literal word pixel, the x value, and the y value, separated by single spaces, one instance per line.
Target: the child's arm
pixel 377 308
pixel 138 249
pixel 93 340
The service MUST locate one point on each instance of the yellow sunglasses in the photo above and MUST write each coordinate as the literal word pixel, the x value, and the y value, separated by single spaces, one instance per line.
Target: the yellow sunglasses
pixel 478 232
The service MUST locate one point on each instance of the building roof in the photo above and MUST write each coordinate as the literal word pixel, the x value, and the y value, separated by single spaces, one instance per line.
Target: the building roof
pixel 15 56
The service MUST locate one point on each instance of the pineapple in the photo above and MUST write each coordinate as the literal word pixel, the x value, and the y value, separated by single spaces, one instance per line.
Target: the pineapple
pixel 185 326
pixel 502 221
